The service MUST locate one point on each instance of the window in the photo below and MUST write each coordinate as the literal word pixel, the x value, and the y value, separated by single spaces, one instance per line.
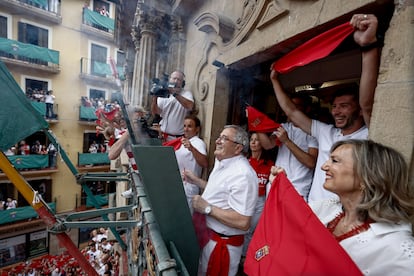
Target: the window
pixel 33 35
pixel 33 86
pixel 3 26
pixel 95 95
pixel 98 5
pixel 99 55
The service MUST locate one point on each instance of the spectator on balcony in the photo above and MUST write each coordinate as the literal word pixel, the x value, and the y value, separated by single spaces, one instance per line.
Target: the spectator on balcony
pixel 93 148
pixel 52 152
pixel 38 95
pixel 36 148
pixel 86 102
pixel 10 152
pixel 103 11
pixel 24 148
pixel 50 100
pixel 11 203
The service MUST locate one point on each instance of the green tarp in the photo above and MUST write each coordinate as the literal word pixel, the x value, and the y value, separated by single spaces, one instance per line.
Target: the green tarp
pixel 18 118
pixel 20 49
pixel 32 161
pixel 40 107
pixel 41 3
pixel 93 158
pixel 21 213
pixel 101 199
pixel 98 19
pixel 87 113
pixel 105 69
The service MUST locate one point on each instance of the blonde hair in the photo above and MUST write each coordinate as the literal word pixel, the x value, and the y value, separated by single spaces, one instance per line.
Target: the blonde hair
pixel 387 193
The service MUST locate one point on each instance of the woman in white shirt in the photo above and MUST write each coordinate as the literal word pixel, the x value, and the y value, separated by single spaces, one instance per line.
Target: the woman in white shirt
pixel 371 219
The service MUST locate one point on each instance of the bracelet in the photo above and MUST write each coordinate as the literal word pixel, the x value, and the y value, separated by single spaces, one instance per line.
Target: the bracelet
pixel 175 95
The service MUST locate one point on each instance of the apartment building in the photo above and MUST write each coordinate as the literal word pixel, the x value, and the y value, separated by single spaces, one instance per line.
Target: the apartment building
pixel 61 48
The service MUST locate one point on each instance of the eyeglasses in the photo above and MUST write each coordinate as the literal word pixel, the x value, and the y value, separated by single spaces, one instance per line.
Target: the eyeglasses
pixel 224 138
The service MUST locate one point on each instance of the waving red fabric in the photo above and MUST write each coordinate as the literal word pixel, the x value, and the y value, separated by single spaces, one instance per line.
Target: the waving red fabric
pixel 259 122
pixel 176 143
pixel 290 240
pixel 314 49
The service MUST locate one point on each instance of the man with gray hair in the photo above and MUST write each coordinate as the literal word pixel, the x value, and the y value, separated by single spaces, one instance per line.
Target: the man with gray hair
pixel 228 202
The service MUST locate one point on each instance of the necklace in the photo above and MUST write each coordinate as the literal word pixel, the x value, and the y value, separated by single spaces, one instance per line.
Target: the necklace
pixel 354 231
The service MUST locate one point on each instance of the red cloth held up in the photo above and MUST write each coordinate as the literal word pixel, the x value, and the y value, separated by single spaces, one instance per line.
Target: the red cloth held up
pixel 176 143
pixel 259 122
pixel 290 240
pixel 314 49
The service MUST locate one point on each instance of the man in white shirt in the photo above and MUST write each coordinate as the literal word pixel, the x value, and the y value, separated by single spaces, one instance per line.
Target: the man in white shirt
pixel 351 112
pixel 173 108
pixel 228 201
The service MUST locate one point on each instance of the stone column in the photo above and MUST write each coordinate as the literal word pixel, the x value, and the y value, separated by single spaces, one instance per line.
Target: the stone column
pixel 176 51
pixel 393 111
pixel 144 64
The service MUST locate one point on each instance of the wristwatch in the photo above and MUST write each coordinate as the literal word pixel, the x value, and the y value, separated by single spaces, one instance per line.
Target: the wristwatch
pixel 207 210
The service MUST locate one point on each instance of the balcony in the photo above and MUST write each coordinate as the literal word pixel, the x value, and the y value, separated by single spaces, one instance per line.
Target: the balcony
pixel 27 55
pixel 33 165
pixel 98 25
pixel 87 115
pixel 93 162
pixel 35 9
pixel 99 73
pixel 41 108
pixel 20 214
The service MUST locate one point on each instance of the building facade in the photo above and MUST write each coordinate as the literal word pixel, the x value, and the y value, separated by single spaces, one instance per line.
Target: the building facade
pixel 225 49
pixel 63 48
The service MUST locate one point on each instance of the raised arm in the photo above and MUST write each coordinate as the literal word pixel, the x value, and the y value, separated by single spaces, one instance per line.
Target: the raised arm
pixel 267 142
pixel 296 116
pixel 306 158
pixel 118 146
pixel 154 106
pixel 365 35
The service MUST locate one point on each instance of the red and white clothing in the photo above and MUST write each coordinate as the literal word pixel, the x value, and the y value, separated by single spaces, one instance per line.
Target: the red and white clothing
pixel 327 135
pixel 232 185
pixel 186 161
pixel 173 114
pixel 384 249
pixel 128 149
pixel 298 174
pixel 262 168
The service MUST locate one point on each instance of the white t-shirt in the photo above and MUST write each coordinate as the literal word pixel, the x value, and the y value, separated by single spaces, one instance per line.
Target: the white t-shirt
pixel 231 185
pixel 173 113
pixel 384 249
pixel 186 161
pixel 327 135
pixel 300 175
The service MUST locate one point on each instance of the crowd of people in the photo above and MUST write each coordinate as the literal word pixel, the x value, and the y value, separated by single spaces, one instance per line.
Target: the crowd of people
pixel 22 148
pixel 99 252
pixel 326 163
pixel 359 189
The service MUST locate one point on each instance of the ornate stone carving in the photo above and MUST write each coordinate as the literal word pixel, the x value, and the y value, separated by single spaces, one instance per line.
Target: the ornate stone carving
pixel 214 23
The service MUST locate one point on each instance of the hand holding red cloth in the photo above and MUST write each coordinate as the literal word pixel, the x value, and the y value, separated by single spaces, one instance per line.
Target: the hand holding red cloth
pixel 314 49
pixel 259 122
pixel 176 143
pixel 290 239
